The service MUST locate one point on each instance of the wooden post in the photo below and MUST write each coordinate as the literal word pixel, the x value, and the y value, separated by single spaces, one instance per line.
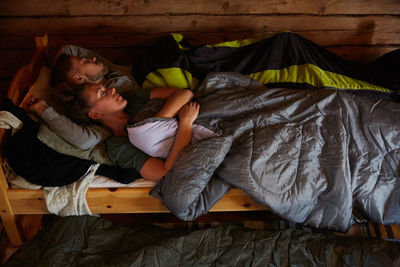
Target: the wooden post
pixel 8 217
pixel 24 78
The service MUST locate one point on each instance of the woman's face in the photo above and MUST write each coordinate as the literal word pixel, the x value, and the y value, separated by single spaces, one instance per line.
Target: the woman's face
pixel 103 100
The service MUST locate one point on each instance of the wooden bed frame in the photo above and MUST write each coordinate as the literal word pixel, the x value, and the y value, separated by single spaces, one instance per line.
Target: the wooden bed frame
pixel 15 202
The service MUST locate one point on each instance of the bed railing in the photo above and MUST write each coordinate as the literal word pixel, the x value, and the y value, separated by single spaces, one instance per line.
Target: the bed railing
pixel 20 84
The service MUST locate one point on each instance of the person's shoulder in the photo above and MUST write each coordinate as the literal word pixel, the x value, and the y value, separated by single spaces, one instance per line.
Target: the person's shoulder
pixel 120 144
pixel 117 141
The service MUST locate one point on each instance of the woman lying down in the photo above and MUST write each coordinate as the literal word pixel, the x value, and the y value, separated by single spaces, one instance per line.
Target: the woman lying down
pixel 154 146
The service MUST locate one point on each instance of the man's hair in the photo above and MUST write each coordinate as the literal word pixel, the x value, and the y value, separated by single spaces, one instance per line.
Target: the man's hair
pixel 79 107
pixel 60 70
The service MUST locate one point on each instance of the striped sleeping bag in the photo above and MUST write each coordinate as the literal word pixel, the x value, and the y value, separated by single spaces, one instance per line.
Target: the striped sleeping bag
pixel 313 156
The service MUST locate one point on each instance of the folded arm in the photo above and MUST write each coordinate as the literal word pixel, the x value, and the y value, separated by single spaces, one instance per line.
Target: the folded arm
pixel 154 168
pixel 82 137
pixel 175 99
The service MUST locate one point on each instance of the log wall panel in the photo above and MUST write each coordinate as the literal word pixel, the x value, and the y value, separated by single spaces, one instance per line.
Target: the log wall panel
pixel 358 30
pixel 152 7
pixel 371 30
pixel 14 59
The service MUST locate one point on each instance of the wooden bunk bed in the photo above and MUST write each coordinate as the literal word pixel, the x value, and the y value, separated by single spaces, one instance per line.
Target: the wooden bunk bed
pixel 15 202
pixel 354 30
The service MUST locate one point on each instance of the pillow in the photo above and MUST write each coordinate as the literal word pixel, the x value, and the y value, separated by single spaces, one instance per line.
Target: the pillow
pixel 41 88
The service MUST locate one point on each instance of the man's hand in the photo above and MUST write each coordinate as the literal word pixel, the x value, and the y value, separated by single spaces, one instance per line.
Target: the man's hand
pixel 35 105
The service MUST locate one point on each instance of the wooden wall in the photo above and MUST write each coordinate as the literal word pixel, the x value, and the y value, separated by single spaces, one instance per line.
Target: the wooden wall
pixel 356 29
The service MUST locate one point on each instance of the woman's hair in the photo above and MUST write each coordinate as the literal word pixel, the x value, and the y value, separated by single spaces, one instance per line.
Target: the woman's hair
pixel 60 70
pixel 79 107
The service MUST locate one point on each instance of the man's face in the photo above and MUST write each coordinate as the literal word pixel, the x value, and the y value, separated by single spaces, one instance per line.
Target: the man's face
pixel 85 69
pixel 104 101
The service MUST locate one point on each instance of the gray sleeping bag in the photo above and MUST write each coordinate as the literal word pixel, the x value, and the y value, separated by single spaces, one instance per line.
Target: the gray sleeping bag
pixel 311 156
pixel 90 241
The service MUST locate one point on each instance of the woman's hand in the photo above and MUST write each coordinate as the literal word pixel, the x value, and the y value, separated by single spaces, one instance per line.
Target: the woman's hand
pixel 189 113
pixel 176 99
pixel 34 104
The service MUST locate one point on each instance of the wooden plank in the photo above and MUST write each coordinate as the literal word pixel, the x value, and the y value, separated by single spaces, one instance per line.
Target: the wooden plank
pixel 29 206
pixel 112 40
pixel 23 78
pixel 12 60
pixel 3 179
pixel 8 217
pixel 382 231
pixel 126 55
pixel 4 84
pixel 124 200
pixel 362 54
pixel 30 225
pixel 368 30
pixel 141 40
pixel 153 7
pixel 396 231
pixel 27 74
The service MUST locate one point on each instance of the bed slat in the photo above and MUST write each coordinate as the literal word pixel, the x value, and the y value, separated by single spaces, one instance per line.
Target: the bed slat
pixel 8 217
pixel 124 200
